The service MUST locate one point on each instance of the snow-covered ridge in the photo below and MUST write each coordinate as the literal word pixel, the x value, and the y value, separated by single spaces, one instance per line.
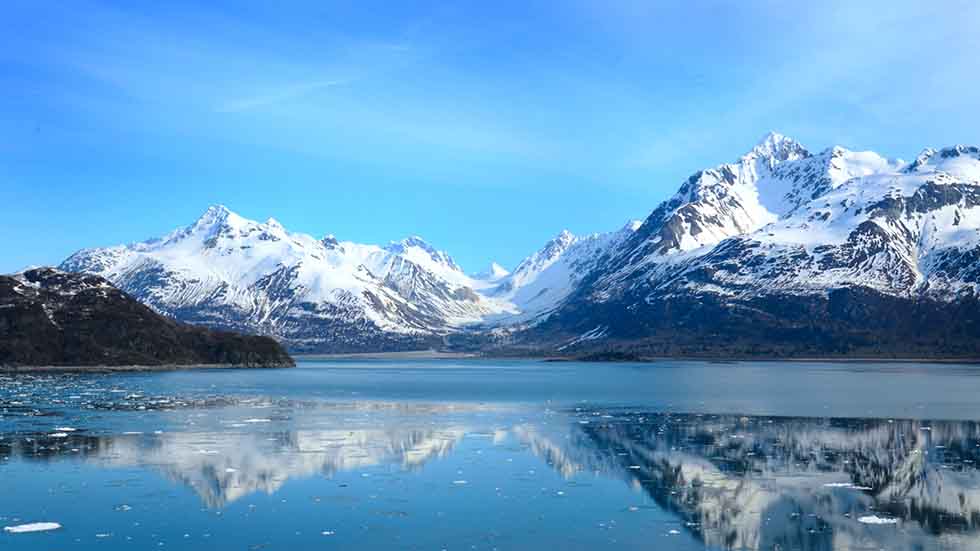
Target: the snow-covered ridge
pixel 781 219
pixel 227 270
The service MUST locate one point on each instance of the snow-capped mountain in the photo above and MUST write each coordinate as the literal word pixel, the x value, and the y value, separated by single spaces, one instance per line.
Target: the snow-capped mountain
pixel 774 238
pixel 782 248
pixel 494 272
pixel 542 281
pixel 785 220
pixel 228 271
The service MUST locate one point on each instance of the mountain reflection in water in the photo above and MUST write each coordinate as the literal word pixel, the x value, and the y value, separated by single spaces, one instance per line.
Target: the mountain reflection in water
pixel 734 482
pixel 787 483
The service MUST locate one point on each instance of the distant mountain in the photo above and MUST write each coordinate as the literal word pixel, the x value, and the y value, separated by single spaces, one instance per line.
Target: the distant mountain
pixel 542 281
pixel 52 318
pixel 494 272
pixel 782 251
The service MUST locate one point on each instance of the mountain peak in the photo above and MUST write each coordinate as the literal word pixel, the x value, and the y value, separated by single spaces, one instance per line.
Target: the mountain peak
pixel 214 213
pixel 414 242
pixel 497 269
pixel 631 226
pixel 557 245
pixel 493 272
pixel 776 147
pixel 959 161
pixel 564 236
pixel 220 215
pixel 417 241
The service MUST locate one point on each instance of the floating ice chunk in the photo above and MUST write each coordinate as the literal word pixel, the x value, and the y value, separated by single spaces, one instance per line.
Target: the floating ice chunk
pixel 673 531
pixel 58 435
pixel 327 533
pixel 257 420
pixel 65 429
pixel 32 527
pixel 460 482
pixel 875 519
pixel 230 470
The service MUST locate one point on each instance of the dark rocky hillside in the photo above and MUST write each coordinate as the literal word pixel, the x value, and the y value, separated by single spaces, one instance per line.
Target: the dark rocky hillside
pixel 846 323
pixel 53 318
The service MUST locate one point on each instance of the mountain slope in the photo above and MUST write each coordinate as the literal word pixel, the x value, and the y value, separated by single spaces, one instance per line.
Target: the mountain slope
pixel 52 318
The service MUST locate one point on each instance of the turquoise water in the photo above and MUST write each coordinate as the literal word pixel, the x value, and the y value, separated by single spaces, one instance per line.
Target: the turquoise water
pixel 481 454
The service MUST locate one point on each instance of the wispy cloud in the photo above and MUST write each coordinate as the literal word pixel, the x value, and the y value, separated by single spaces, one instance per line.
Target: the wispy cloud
pixel 280 95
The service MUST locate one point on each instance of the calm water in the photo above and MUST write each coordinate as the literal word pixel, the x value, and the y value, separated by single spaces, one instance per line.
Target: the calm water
pixel 496 455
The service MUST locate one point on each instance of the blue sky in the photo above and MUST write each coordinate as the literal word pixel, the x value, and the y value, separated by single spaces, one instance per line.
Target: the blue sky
pixel 485 127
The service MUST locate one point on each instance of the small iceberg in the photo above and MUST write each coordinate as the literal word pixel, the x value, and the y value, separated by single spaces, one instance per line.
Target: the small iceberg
pixel 875 519
pixel 32 527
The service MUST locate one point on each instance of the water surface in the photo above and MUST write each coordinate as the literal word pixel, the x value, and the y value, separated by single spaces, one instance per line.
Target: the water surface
pixel 480 454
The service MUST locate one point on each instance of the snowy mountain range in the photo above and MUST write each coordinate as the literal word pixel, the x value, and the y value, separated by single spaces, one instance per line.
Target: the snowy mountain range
pixel 230 272
pixel 777 239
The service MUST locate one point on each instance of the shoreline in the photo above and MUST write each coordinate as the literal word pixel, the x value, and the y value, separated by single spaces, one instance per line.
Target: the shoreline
pixel 26 369
pixel 402 355
pixel 437 355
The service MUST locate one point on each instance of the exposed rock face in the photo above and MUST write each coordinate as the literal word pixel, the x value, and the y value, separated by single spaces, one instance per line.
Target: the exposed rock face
pixel 54 318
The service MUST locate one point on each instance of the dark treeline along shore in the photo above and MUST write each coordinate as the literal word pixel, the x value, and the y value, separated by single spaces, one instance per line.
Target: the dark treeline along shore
pixel 59 320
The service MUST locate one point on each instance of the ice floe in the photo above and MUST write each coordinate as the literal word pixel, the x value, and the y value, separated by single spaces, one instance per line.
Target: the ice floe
pixel 875 519
pixel 31 527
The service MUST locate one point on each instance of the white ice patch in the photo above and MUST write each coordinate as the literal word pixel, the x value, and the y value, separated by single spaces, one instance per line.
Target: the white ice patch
pixel 875 519
pixel 32 527
pixel 845 485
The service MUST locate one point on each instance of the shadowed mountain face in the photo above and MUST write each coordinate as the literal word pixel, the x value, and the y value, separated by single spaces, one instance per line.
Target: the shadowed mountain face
pixel 53 318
